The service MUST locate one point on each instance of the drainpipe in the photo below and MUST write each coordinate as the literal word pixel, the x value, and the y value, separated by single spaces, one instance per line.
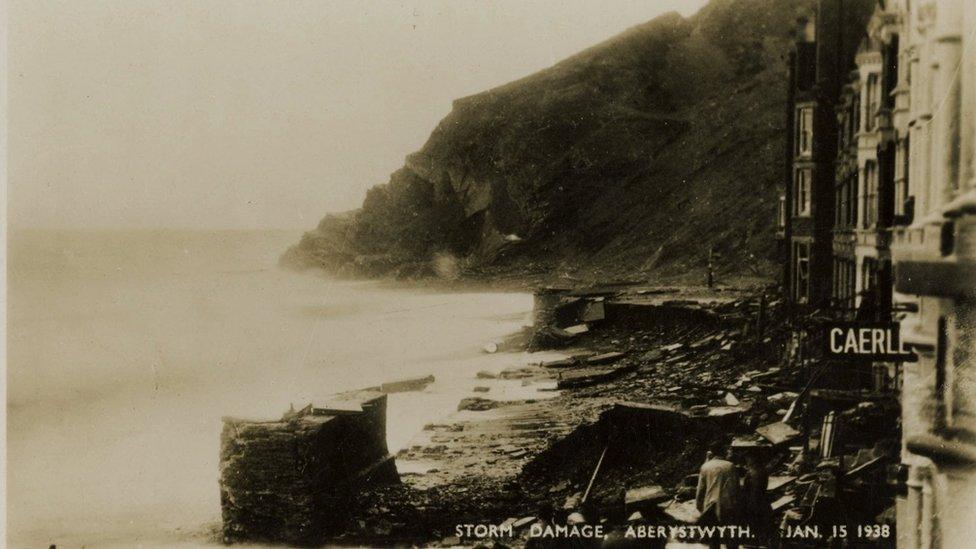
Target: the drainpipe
pixel 788 189
pixel 914 507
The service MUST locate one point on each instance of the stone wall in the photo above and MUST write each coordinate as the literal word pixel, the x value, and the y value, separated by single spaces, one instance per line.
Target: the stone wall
pixel 286 481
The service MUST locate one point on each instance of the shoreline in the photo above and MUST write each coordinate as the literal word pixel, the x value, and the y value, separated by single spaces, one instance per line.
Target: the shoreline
pixel 506 439
pixel 495 465
pixel 246 368
pixel 518 282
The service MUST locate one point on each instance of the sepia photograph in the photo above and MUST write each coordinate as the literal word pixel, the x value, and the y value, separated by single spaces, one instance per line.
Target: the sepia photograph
pixel 489 273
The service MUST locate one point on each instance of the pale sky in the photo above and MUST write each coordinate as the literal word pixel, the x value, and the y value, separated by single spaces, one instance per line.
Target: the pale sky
pixel 255 114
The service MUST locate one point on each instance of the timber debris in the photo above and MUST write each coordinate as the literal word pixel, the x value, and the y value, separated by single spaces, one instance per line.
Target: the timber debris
pixel 645 389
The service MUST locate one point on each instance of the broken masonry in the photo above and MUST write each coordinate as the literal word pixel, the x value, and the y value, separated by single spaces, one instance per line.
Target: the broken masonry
pixel 287 481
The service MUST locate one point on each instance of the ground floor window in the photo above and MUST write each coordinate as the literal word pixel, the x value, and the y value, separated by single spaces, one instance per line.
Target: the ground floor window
pixel 801 272
pixel 869 275
pixel 844 283
pixel 868 298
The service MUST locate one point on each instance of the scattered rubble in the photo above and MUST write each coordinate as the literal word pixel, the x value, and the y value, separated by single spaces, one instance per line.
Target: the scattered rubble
pixel 577 329
pixel 477 404
pixel 663 378
pixel 606 358
pixel 563 363
pixel 584 377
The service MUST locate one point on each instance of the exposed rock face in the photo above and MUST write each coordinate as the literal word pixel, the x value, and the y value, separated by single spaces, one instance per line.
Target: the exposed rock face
pixel 634 157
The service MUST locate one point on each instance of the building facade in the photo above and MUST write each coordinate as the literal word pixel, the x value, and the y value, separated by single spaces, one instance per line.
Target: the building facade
pixel 899 203
pixel 807 160
pixel 820 63
pixel 934 254
pixel 877 62
pixel 847 181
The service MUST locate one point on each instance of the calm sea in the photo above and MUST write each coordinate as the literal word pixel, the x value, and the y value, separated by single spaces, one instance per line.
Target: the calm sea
pixel 126 348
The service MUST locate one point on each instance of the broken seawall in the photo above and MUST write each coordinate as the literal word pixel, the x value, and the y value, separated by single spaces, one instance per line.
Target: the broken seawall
pixel 286 481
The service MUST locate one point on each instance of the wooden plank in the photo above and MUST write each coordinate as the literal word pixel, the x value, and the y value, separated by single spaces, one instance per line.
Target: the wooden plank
pixel 775 483
pixel 783 502
pixel 605 358
pixel 778 432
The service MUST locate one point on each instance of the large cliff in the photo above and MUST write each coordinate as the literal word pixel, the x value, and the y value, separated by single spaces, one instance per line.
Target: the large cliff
pixel 633 158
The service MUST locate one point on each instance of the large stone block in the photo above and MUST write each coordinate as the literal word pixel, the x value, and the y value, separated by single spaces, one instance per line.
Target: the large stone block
pixel 289 480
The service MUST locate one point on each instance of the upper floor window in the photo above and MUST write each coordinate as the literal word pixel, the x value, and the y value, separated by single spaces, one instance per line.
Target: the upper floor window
pixel 872 94
pixel 840 204
pixel 870 194
pixel 802 191
pixel 810 30
pixel 901 176
pixel 781 216
pixel 804 131
pixel 890 72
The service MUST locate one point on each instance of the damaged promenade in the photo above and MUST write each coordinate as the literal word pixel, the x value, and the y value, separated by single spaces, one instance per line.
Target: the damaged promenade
pixel 620 427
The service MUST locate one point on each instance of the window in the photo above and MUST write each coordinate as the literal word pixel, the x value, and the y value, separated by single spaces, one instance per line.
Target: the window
pixel 869 275
pixel 781 217
pixel 845 130
pixel 844 288
pixel 842 283
pixel 871 93
pixel 842 217
pixel 802 187
pixel 890 72
pixel 851 120
pixel 901 176
pixel 839 206
pixel 801 272
pixel 835 277
pixel 845 200
pixel 870 194
pixel 849 284
pixel 844 271
pixel 804 131
pixel 839 281
pixel 842 135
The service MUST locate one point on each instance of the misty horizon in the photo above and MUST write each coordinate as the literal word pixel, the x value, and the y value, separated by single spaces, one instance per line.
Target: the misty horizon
pixel 230 116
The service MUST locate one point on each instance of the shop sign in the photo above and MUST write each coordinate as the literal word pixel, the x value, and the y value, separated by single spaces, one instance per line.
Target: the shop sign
pixel 873 341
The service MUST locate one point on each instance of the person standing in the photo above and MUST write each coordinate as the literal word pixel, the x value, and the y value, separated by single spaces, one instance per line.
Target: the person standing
pixel 717 496
pixel 757 509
